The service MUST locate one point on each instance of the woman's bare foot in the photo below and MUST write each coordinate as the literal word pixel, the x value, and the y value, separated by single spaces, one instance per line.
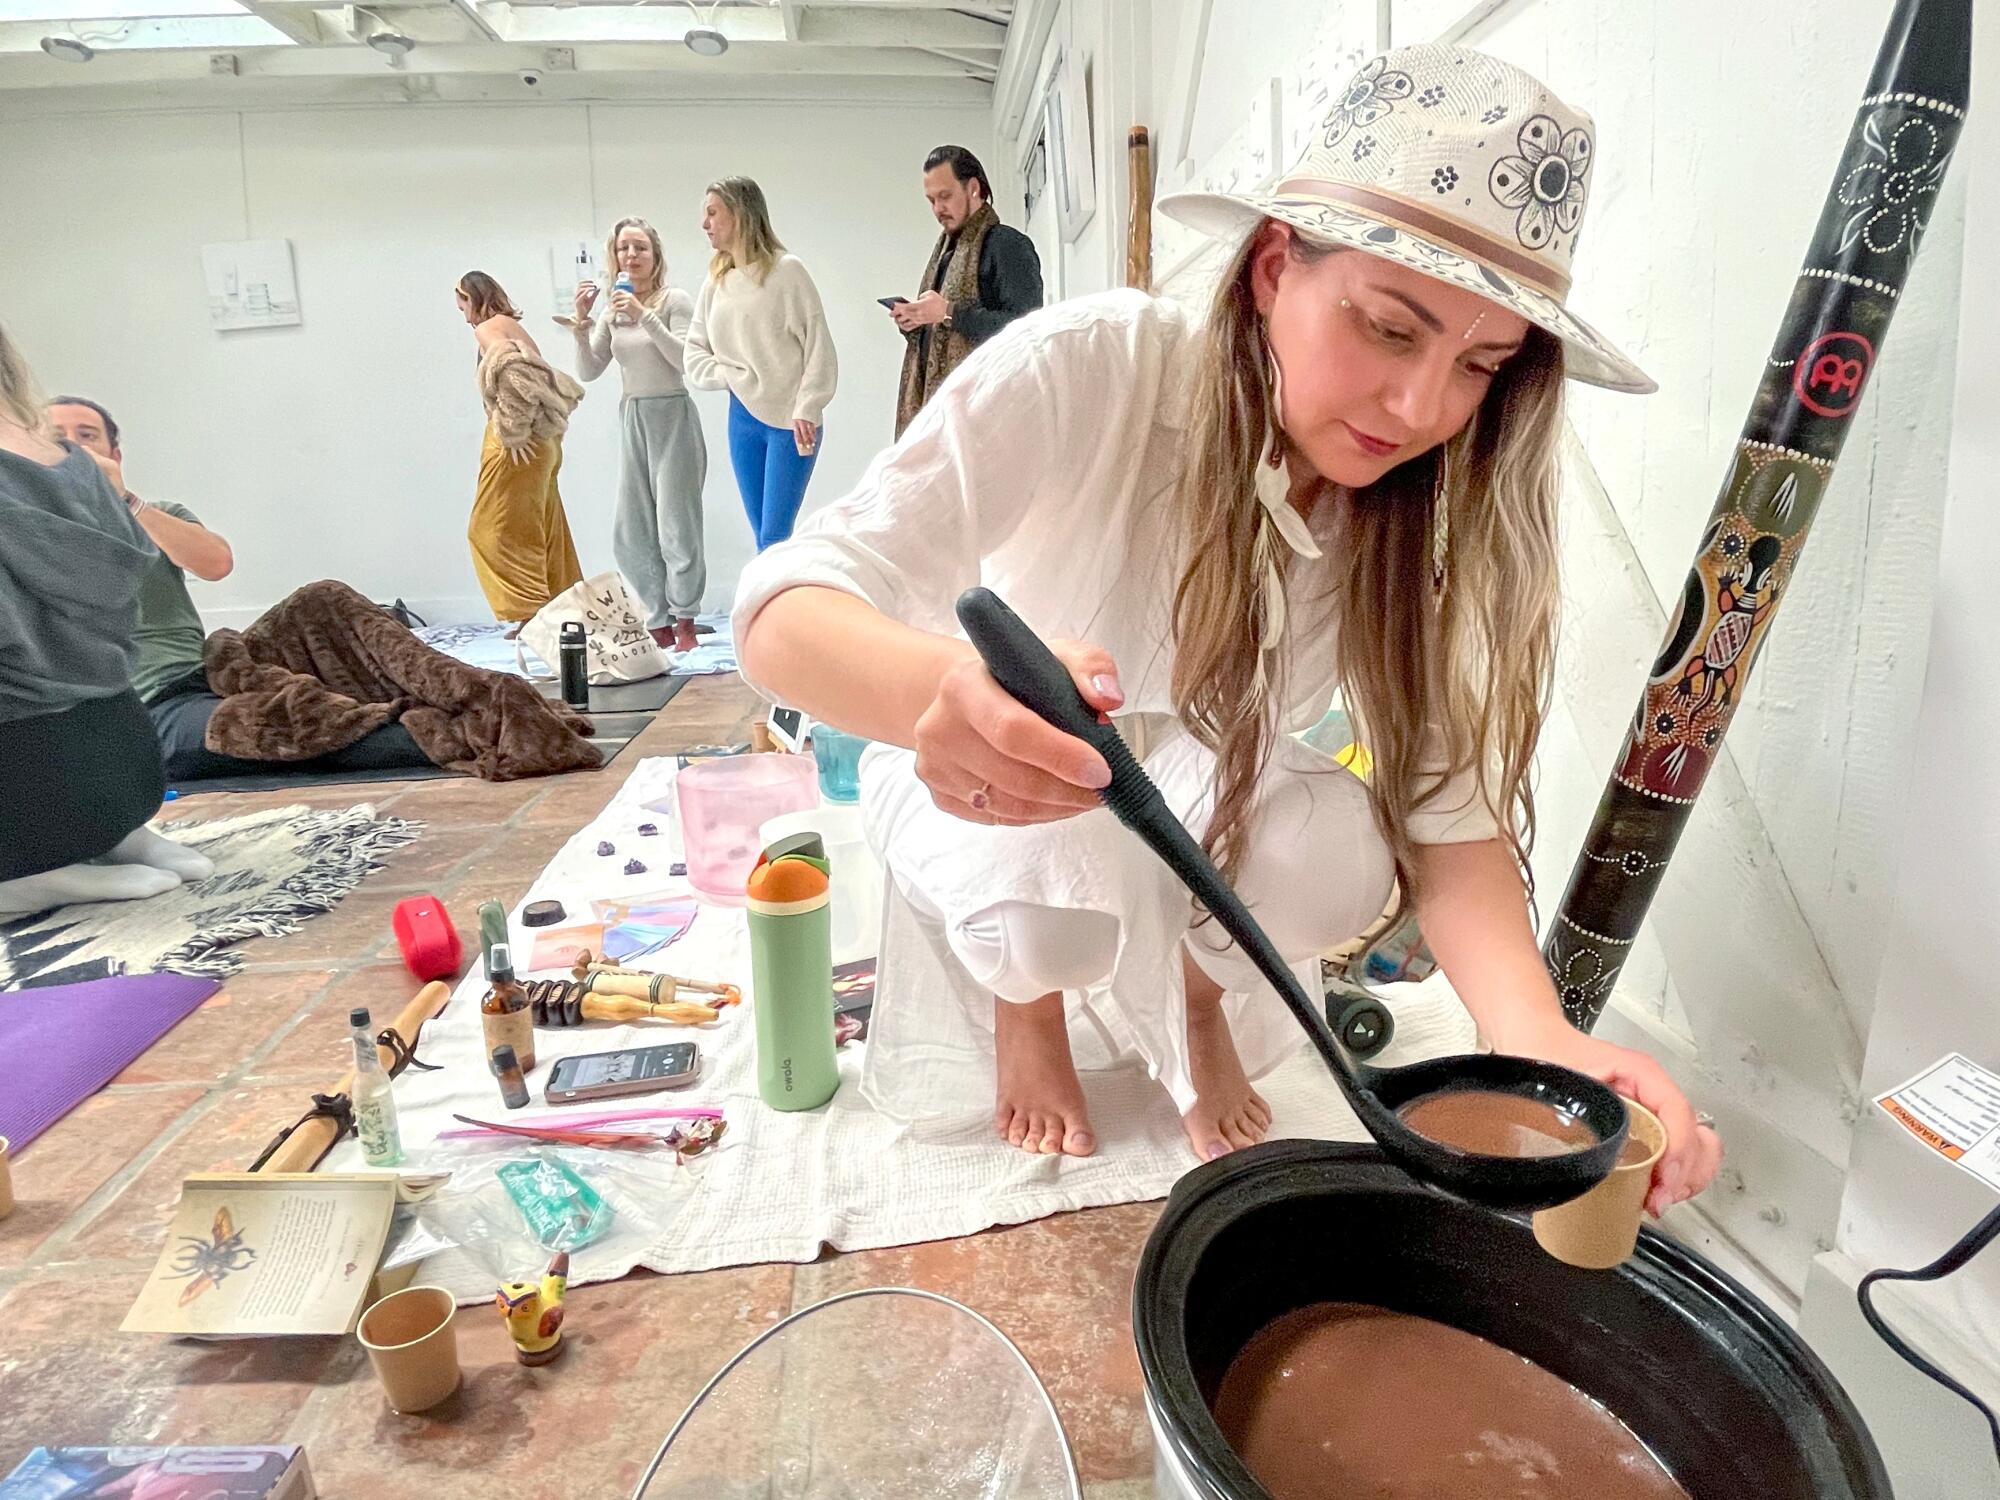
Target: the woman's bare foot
pixel 1228 1114
pixel 684 638
pixel 1040 1105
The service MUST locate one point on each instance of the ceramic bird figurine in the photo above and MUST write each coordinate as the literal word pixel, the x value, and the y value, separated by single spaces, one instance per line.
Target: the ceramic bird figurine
pixel 534 1313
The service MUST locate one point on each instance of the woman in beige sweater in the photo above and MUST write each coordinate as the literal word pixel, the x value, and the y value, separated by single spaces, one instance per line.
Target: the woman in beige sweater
pixel 760 333
pixel 521 546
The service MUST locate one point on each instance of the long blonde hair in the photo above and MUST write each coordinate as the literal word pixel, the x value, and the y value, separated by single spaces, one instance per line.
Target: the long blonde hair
pixel 652 295
pixel 1474 666
pixel 21 398
pixel 755 238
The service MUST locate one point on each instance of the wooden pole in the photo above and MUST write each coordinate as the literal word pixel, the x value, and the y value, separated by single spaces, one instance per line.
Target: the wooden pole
pixel 312 1138
pixel 1884 190
pixel 1139 234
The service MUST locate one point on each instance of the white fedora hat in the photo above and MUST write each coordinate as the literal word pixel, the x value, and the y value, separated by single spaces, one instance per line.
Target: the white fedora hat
pixel 1457 165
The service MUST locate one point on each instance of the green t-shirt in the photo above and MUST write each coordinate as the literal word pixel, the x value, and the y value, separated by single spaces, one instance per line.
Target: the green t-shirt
pixel 167 641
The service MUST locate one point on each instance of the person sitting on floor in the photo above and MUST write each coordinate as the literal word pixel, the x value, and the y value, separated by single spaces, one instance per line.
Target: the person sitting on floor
pixel 167 671
pixel 83 770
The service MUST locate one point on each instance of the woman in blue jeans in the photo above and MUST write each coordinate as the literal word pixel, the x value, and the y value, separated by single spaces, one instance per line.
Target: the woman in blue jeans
pixel 760 333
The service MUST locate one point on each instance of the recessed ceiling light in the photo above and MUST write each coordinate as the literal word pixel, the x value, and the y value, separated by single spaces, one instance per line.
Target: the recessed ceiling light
pixel 390 43
pixel 706 41
pixel 68 49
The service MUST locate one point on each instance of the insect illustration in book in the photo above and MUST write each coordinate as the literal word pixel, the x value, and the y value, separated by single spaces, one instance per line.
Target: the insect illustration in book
pixel 208 1263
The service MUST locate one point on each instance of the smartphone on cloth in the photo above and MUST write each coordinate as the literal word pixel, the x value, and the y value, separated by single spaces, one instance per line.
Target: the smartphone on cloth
pixel 892 303
pixel 631 1070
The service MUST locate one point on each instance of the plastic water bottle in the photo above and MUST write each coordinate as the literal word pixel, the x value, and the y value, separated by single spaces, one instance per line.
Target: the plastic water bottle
pixel 624 284
pixel 374 1103
pixel 791 972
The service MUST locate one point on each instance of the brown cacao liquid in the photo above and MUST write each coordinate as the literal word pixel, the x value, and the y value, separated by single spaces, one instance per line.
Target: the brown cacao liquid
pixel 1493 1123
pixel 1341 1401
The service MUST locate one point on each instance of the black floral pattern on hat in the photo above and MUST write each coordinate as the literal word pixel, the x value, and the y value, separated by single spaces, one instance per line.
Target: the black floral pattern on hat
pixel 1545 182
pixel 1373 93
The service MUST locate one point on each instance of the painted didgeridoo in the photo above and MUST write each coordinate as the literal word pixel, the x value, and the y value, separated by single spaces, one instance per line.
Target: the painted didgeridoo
pixel 1859 257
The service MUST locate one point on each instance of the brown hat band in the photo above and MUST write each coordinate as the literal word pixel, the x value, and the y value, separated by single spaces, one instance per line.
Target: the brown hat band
pixel 1432 226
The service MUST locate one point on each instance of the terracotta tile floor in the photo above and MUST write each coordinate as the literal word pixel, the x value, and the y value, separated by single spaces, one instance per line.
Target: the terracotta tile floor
pixel 95 1193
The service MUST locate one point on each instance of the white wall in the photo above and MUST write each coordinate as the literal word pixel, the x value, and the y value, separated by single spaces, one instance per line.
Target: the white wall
pixel 1714 171
pixel 1756 978
pixel 1109 39
pixel 348 447
pixel 1903 1205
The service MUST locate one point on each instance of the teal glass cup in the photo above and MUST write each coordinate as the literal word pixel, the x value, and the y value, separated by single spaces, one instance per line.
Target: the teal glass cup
pixel 839 756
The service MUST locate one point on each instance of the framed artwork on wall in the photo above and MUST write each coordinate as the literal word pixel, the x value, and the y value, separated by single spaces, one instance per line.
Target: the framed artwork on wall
pixel 1072 156
pixel 250 284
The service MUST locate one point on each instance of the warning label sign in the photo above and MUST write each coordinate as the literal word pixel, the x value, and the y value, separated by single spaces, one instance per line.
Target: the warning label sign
pixel 1953 1107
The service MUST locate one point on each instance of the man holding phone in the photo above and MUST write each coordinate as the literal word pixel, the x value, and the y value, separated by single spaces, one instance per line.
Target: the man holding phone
pixel 982 275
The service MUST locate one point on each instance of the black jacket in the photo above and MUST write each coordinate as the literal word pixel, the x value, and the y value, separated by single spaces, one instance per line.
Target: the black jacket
pixel 1010 284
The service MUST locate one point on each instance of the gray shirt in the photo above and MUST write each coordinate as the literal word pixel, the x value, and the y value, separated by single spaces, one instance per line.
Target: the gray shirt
pixel 168 636
pixel 648 351
pixel 69 575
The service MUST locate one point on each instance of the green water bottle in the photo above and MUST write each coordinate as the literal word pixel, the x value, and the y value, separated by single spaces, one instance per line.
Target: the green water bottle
pixel 791 973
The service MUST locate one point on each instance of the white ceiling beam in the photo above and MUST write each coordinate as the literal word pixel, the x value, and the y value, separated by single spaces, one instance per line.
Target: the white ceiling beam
pixel 194 90
pixel 900 29
pixel 427 26
pixel 654 24
pixel 301 25
pixel 470 9
pixel 1021 63
pixel 20 69
pixel 825 6
pixel 180 33
pixel 630 23
pixel 976 66
pixel 790 11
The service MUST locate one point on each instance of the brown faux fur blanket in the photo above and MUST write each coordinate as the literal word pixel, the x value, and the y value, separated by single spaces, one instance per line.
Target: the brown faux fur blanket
pixel 324 667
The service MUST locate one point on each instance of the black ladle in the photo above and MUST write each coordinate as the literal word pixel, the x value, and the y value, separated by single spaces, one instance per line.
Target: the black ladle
pixel 1026 668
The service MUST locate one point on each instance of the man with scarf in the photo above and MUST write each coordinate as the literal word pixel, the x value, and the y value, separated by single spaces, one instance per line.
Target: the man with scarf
pixel 982 275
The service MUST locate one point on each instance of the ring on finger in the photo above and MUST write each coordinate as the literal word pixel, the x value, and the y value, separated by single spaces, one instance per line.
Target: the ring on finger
pixel 1703 1119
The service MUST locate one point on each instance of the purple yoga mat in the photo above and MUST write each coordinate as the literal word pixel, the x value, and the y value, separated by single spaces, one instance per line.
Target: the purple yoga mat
pixel 64 1042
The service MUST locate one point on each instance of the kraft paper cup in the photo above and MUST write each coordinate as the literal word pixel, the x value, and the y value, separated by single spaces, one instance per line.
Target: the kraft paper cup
pixel 6 1181
pixel 1600 1229
pixel 413 1344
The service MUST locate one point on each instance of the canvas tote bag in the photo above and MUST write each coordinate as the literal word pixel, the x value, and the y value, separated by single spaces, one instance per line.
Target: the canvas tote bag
pixel 615 636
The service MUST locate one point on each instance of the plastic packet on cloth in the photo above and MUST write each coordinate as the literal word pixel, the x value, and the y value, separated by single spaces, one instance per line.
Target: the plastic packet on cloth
pixel 509 1203
pixel 564 1211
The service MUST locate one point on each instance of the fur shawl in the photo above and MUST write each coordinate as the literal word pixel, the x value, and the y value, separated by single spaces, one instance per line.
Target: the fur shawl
pixel 527 399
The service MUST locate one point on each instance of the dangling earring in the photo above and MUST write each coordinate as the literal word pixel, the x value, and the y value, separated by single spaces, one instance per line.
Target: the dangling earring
pixel 1440 520
pixel 1274 397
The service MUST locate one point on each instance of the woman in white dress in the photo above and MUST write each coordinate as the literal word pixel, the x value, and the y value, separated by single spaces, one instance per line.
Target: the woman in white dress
pixel 1346 480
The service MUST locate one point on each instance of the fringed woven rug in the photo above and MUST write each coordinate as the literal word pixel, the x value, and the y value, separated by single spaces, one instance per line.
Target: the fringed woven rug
pixel 273 870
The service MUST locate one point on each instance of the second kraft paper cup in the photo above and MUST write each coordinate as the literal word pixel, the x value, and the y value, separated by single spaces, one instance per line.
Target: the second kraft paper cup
pixel 1600 1229
pixel 413 1344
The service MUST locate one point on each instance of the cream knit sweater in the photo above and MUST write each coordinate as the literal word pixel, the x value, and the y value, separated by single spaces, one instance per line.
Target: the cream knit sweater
pixel 766 342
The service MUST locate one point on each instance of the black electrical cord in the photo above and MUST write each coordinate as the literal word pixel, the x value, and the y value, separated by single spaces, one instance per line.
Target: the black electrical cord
pixel 1974 1240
